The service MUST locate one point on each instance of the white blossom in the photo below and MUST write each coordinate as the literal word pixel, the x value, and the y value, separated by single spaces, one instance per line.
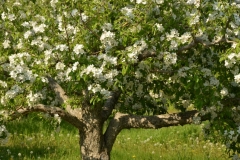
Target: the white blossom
pixel 141 2
pixel 74 12
pixel 44 79
pixel 237 78
pixel 84 17
pixel 3 15
pixel 231 56
pixel 6 44
pixel 27 34
pixel 60 66
pixel 40 28
pixel 14 91
pixel 3 84
pixel 97 88
pixel 173 34
pixel 108 40
pixel 108 59
pixel 185 37
pixel 75 65
pixel 20 44
pixel 107 34
pixel 194 19
pixel 194 2
pixel 174 45
pixel 11 17
pixel 53 3
pixel 62 47
pixel 78 49
pixel 57 118
pixel 47 54
pixel 107 27
pixel 96 72
pixel 159 27
pixel 70 29
pixel 136 49
pixel 21 73
pixel 170 58
pixel 127 11
pixel 33 98
pixel 224 92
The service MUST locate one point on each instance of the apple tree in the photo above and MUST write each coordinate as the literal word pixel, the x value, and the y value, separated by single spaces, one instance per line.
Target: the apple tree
pixel 123 61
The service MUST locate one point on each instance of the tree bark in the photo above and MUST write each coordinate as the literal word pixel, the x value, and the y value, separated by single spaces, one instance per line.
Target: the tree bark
pixel 127 121
pixel 92 144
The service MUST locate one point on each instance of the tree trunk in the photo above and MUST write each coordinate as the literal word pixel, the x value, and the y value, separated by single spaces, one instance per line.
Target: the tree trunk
pixel 92 142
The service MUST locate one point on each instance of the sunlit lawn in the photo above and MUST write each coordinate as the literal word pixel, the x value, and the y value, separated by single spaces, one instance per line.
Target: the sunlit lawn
pixel 33 138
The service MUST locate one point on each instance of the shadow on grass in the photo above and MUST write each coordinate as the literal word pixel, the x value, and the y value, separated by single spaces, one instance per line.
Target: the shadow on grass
pixel 35 136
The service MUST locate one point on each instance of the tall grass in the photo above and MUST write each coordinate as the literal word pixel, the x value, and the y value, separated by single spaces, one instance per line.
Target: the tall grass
pixel 35 138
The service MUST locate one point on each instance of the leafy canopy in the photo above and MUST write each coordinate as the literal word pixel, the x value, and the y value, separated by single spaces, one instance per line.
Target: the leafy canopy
pixel 158 53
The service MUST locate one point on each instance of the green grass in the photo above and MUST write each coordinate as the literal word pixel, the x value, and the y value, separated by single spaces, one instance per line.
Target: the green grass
pixel 36 139
pixel 173 143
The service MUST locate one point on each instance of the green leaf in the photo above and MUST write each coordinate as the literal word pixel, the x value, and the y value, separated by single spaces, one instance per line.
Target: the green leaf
pixel 125 70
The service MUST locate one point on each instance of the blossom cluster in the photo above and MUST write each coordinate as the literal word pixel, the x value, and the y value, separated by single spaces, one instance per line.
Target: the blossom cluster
pixel 108 40
pixel 169 58
pixel 98 89
pixel 18 68
pixel 33 98
pixel 137 48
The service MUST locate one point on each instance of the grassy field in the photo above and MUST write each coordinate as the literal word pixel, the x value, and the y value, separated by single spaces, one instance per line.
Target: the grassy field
pixel 33 138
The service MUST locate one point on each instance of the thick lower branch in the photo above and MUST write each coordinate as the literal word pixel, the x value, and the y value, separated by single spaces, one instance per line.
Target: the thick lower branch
pixel 58 90
pixel 63 98
pixel 46 109
pixel 126 121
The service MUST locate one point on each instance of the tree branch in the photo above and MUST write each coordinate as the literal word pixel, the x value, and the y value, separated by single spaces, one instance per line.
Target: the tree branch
pixel 46 109
pixel 147 54
pixel 206 44
pixel 198 40
pixel 63 98
pixel 126 121
pixel 58 90
pixel 110 104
